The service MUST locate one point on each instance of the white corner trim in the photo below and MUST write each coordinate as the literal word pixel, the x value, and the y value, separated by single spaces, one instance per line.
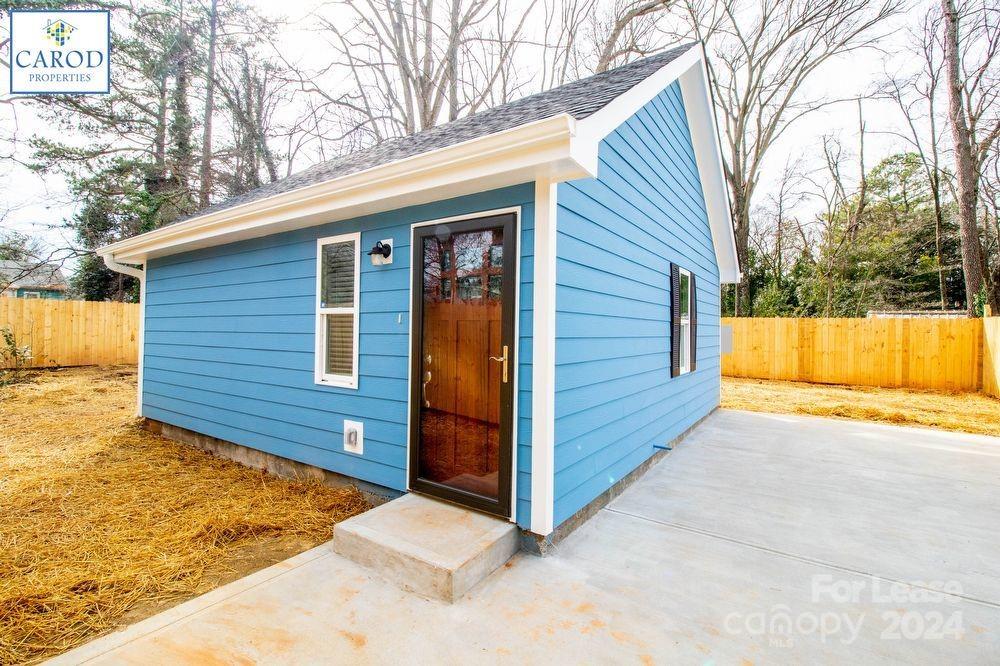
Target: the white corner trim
pixel 322 378
pixel 543 369
pixel 711 170
pixel 139 274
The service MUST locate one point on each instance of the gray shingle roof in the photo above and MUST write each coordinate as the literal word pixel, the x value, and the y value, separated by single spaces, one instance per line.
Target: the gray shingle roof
pixel 578 99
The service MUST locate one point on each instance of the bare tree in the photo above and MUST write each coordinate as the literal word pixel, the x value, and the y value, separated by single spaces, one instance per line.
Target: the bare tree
pixel 973 85
pixel 776 233
pixel 841 217
pixel 411 66
pixel 564 24
pixel 205 171
pixel 917 97
pixel 583 37
pixel 990 198
pixel 760 56
pixel 25 257
pixel 252 93
pixel 628 31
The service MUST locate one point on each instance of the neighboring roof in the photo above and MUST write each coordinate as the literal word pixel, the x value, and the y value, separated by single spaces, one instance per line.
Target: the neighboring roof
pixel 578 99
pixel 917 314
pixel 31 275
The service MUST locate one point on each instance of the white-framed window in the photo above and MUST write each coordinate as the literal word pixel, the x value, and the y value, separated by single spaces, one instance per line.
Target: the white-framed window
pixel 32 294
pixel 684 303
pixel 338 292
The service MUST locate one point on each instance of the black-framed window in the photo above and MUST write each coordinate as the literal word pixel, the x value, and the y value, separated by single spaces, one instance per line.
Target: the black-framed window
pixel 683 321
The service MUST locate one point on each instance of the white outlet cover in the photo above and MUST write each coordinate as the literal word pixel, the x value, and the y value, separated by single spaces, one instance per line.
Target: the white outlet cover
pixel 359 445
pixel 379 260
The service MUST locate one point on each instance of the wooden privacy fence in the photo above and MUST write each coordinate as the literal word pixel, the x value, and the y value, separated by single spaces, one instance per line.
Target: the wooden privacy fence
pixel 73 332
pixel 913 353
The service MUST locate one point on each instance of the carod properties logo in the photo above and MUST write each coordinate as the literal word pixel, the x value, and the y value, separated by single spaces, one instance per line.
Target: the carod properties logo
pixel 60 52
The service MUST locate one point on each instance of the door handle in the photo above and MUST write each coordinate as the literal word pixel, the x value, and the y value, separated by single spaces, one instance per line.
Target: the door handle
pixel 502 359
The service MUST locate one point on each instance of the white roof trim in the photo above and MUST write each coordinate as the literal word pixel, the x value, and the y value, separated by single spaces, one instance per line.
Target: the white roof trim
pixel 555 149
pixel 519 155
pixel 711 169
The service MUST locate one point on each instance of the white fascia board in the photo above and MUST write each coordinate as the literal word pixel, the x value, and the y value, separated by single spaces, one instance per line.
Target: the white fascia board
pixel 711 169
pixel 522 154
pixel 690 70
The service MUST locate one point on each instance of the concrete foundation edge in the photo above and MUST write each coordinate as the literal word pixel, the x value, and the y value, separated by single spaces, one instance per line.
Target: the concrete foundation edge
pixel 268 462
pixel 376 494
pixel 547 545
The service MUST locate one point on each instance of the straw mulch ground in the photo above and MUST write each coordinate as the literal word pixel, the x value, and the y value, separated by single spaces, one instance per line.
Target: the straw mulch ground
pixel 102 523
pixel 965 412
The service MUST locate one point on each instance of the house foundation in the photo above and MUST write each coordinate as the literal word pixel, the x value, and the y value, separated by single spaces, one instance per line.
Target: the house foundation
pixel 283 467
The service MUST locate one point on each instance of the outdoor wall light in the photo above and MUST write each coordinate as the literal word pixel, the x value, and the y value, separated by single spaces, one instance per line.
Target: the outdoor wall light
pixel 381 252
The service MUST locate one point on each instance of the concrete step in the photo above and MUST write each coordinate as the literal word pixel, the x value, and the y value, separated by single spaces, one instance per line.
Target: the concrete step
pixel 429 547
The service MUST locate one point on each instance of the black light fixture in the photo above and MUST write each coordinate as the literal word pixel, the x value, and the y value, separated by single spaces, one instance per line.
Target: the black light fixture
pixel 381 249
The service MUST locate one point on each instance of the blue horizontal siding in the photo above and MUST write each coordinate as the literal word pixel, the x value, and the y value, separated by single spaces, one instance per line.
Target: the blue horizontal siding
pixel 230 337
pixel 617 236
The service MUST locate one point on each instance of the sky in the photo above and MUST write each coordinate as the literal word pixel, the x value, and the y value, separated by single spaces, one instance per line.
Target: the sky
pixel 39 205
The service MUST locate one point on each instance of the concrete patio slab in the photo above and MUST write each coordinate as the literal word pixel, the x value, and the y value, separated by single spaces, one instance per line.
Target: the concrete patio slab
pixel 759 540
pixel 902 503
pixel 429 547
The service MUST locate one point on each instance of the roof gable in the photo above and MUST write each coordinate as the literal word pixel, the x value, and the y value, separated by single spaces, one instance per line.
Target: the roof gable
pixel 552 136
pixel 579 99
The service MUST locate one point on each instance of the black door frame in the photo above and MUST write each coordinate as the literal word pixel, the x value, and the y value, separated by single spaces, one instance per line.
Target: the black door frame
pixel 502 505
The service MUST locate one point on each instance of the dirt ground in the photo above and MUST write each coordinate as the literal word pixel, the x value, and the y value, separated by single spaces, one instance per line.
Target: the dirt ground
pixel 964 412
pixel 103 523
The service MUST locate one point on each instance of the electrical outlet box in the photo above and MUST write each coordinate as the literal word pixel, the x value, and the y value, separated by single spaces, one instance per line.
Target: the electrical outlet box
pixel 354 437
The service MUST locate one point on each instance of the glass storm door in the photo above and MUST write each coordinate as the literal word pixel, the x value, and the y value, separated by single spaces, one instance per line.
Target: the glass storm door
pixel 462 362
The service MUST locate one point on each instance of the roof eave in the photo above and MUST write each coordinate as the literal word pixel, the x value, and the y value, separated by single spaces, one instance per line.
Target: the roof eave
pixel 522 154
pixel 557 148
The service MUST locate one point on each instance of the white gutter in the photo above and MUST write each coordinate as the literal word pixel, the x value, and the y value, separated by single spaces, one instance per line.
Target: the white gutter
pixel 541 149
pixel 139 274
pixel 109 261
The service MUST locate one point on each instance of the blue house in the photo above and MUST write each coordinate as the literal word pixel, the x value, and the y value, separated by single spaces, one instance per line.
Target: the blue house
pixel 514 311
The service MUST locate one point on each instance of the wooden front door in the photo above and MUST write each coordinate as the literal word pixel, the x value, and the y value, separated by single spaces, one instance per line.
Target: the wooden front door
pixel 462 362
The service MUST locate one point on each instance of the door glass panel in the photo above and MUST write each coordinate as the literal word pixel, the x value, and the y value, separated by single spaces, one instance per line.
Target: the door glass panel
pixel 460 383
